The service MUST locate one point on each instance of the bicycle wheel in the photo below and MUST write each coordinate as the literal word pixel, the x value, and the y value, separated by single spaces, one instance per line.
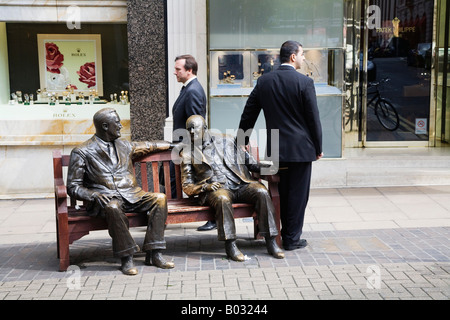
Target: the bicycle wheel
pixel 387 115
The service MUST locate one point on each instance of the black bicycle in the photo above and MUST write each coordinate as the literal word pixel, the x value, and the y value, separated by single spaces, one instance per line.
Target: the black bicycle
pixel 385 111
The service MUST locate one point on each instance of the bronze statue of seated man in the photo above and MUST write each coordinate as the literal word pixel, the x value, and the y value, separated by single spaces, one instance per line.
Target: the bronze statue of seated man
pixel 101 173
pixel 216 170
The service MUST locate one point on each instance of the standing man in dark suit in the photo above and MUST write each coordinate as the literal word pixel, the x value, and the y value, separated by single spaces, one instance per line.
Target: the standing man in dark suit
pixel 101 173
pixel 288 100
pixel 192 98
pixel 191 101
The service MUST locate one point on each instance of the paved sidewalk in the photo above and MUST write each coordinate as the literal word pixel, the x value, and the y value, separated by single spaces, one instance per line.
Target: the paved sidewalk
pixel 364 243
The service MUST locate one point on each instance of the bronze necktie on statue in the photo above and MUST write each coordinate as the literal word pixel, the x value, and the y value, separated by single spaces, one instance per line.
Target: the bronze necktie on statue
pixel 112 152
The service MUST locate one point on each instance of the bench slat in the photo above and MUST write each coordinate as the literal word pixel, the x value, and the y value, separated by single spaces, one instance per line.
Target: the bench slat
pixel 167 183
pixel 144 179
pixel 155 174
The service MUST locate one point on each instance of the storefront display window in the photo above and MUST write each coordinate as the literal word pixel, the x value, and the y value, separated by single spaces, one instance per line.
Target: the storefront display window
pixel 51 60
pixel 59 64
pixel 244 44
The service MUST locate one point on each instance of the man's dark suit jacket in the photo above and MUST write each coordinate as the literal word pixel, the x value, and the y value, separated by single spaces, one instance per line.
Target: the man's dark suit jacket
pixel 288 100
pixel 91 170
pixel 191 101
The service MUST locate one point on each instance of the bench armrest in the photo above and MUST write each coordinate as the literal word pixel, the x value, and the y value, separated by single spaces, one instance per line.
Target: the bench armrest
pixel 275 178
pixel 270 178
pixel 58 183
pixel 60 198
pixel 60 192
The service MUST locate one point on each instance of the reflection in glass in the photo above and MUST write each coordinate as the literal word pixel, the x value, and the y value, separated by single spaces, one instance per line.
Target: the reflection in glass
pixel 262 23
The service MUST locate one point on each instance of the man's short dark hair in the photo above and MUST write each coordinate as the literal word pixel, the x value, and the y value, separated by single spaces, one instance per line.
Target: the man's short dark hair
pixel 287 49
pixel 190 64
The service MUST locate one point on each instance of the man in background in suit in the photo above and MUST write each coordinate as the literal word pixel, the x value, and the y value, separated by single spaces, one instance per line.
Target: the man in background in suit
pixel 101 173
pixel 191 101
pixel 192 98
pixel 288 100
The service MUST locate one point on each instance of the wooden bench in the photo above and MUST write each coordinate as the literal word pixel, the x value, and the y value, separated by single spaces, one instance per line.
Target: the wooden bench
pixel 73 222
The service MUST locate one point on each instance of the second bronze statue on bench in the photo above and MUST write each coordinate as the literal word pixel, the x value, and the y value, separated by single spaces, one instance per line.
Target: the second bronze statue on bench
pixel 216 170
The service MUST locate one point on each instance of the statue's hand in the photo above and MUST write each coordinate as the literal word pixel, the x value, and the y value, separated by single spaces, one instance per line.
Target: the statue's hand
pixel 161 145
pixel 213 186
pixel 102 199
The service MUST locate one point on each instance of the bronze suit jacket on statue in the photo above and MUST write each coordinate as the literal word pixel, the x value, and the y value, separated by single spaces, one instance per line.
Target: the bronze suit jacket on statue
pixel 91 170
pixel 195 171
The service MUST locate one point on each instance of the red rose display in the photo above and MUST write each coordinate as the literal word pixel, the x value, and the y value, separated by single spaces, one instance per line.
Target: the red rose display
pixel 87 74
pixel 54 57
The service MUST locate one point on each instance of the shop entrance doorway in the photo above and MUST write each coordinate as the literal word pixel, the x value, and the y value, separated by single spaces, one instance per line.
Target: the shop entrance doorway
pixel 442 74
pixel 397 58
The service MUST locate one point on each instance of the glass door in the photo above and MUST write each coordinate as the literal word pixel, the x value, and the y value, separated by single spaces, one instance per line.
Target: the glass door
pixel 442 80
pixel 398 72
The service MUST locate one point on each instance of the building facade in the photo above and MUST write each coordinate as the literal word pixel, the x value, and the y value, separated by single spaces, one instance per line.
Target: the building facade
pixel 353 48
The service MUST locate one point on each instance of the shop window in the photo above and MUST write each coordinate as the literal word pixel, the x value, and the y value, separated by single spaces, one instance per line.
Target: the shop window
pixel 244 41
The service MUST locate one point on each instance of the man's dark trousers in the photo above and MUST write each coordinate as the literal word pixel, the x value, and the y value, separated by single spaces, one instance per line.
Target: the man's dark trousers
pixel 295 180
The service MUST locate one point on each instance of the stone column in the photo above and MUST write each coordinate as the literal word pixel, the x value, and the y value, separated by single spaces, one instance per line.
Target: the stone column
pixel 147 68
pixel 186 34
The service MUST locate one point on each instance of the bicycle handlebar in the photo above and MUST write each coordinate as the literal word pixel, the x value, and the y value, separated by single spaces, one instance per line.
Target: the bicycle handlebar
pixel 377 83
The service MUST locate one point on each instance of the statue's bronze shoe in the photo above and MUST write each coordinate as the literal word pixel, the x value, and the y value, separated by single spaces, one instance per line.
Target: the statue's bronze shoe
pixel 273 248
pixel 233 252
pixel 156 259
pixel 128 267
